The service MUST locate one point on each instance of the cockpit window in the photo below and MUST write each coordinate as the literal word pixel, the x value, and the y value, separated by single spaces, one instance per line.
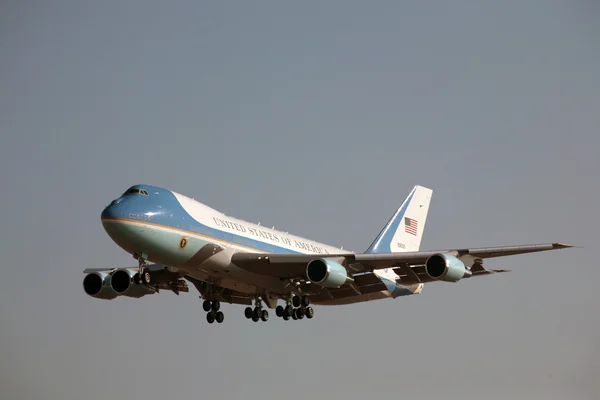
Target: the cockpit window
pixel 136 191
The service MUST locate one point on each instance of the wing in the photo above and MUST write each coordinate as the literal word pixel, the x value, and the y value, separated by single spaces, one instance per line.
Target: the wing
pixel 409 266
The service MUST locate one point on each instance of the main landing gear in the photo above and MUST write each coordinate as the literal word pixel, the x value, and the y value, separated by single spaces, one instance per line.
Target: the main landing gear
pixel 299 310
pixel 212 311
pixel 296 308
pixel 257 313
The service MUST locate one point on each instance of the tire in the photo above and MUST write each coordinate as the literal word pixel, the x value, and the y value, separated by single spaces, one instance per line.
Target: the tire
pixel 215 306
pixel 279 311
pixel 210 318
pixel 206 305
pixel 219 317
pixel 264 315
pixel 296 301
pixel 305 301
pixel 310 312
pixel 289 310
pixel 248 312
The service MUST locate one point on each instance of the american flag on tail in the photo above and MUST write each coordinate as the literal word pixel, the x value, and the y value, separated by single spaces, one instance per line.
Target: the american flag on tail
pixel 410 226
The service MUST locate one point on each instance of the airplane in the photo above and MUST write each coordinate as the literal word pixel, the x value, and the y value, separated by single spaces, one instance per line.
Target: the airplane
pixel 176 239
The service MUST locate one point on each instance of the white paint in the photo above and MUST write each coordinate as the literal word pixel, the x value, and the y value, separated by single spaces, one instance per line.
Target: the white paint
pixel 205 215
pixel 417 210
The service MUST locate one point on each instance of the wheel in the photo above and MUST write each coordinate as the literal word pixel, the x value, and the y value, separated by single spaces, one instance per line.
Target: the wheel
pixel 289 310
pixel 286 317
pixel 294 316
pixel 305 301
pixel 215 306
pixel 300 313
pixel 279 311
pixel 219 317
pixel 296 301
pixel 256 312
pixel 264 315
pixel 309 312
pixel 210 317
pixel 146 277
pixel 248 312
pixel 136 279
pixel 206 305
pixel 255 318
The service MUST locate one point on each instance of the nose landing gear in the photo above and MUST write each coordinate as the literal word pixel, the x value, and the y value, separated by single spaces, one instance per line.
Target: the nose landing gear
pixel 143 276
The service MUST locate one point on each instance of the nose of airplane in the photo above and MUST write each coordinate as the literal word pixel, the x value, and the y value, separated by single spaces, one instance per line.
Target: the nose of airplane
pixel 113 210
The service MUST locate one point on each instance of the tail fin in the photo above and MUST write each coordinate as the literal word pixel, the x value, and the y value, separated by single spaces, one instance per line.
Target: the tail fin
pixel 404 230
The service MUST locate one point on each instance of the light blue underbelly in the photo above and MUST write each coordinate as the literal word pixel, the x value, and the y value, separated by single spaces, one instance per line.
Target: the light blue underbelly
pixel 162 246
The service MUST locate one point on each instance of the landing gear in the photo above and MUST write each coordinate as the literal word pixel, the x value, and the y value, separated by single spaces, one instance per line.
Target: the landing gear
pixel 264 315
pixel 296 308
pixel 310 312
pixel 257 313
pixel 212 311
pixel 219 317
pixel 143 276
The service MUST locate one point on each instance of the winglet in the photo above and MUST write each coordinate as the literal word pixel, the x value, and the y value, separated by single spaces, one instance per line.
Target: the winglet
pixel 564 246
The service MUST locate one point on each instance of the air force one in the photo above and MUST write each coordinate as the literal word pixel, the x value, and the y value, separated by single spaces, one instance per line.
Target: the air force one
pixel 176 239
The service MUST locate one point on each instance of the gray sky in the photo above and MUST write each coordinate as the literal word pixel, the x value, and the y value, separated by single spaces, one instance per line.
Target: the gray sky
pixel 318 118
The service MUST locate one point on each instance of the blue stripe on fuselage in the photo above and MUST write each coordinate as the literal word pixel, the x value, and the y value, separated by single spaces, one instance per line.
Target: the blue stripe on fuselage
pixel 161 207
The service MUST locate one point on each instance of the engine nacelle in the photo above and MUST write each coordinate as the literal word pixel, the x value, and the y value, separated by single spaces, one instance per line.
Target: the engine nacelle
pixel 97 284
pixel 327 273
pixel 445 267
pixel 122 282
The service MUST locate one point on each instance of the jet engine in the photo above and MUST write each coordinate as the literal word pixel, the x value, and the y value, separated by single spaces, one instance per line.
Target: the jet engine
pixel 123 283
pixel 97 284
pixel 445 267
pixel 327 273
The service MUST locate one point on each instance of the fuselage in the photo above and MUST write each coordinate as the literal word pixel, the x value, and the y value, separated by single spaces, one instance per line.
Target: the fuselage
pixel 171 229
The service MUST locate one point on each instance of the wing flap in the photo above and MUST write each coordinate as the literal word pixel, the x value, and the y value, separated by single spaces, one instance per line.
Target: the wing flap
pixel 365 283
pixel 378 261
pixel 284 266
